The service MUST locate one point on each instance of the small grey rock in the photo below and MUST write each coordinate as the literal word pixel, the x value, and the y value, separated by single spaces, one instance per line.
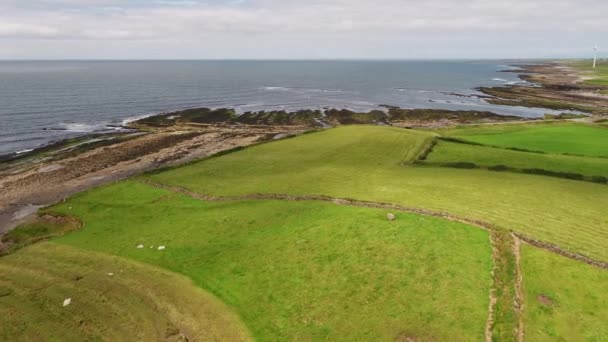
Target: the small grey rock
pixel 390 217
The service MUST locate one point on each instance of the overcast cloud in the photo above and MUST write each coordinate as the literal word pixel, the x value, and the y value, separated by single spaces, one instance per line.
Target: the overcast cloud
pixel 160 29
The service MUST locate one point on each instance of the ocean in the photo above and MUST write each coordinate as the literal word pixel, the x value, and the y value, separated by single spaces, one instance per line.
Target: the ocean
pixel 41 102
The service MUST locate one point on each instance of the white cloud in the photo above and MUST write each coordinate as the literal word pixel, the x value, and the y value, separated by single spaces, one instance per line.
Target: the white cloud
pixel 16 29
pixel 351 24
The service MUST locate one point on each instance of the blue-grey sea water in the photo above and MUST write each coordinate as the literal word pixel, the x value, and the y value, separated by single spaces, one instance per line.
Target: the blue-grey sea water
pixel 41 102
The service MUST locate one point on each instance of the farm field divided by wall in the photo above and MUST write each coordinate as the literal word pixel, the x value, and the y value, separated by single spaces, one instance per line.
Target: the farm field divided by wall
pixel 448 153
pixel 561 138
pixel 373 163
pixel 565 300
pixel 302 270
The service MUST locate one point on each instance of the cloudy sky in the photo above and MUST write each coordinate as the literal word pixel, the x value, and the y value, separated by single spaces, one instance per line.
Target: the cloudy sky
pixel 278 29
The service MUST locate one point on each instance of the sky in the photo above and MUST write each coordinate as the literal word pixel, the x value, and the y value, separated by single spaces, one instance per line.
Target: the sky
pixel 309 29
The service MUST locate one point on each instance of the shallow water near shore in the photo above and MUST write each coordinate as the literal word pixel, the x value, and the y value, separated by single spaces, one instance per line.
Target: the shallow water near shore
pixel 41 102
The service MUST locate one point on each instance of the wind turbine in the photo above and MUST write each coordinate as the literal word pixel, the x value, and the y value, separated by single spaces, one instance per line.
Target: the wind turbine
pixel 595 48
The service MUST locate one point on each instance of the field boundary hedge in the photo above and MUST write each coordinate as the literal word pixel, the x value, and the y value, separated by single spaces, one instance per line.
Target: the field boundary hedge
pixel 506 168
pixel 427 150
pixel 518 149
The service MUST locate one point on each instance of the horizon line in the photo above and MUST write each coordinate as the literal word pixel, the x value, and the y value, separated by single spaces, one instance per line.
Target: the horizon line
pixel 289 59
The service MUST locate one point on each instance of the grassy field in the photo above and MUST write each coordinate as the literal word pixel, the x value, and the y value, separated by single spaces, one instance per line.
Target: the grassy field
pixel 565 299
pixel 112 299
pixel 368 163
pixel 566 138
pixel 300 270
pixel 43 228
pixel 274 270
pixel 451 152
pixel 599 75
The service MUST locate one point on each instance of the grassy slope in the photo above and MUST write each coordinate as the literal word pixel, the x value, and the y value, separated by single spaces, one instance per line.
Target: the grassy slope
pixel 599 75
pixel 32 232
pixel 365 163
pixel 138 302
pixel 449 152
pixel 579 308
pixel 302 270
pixel 552 138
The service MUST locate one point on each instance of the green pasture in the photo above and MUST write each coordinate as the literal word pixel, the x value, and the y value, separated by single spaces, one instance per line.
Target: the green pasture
pixel 112 299
pixel 373 163
pixel 279 270
pixel 565 300
pixel 446 152
pixel 301 270
pixel 597 76
pixel 563 138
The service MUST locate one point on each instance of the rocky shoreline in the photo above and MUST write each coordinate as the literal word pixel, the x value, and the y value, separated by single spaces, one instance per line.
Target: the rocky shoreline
pixel 557 86
pixel 49 174
pixel 42 180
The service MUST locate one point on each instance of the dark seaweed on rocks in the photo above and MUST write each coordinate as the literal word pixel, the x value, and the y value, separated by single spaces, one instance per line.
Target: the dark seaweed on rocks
pixel 318 118
pixel 305 117
pixel 198 115
pixel 347 117
pixel 462 116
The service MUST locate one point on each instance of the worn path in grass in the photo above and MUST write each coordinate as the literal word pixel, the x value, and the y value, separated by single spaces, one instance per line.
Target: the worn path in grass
pixel 372 164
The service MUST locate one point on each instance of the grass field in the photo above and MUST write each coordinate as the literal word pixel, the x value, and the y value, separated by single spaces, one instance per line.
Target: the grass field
pixel 564 138
pixel 451 152
pixel 301 270
pixel 599 75
pixel 565 299
pixel 38 230
pixel 283 270
pixel 367 163
pixel 112 299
